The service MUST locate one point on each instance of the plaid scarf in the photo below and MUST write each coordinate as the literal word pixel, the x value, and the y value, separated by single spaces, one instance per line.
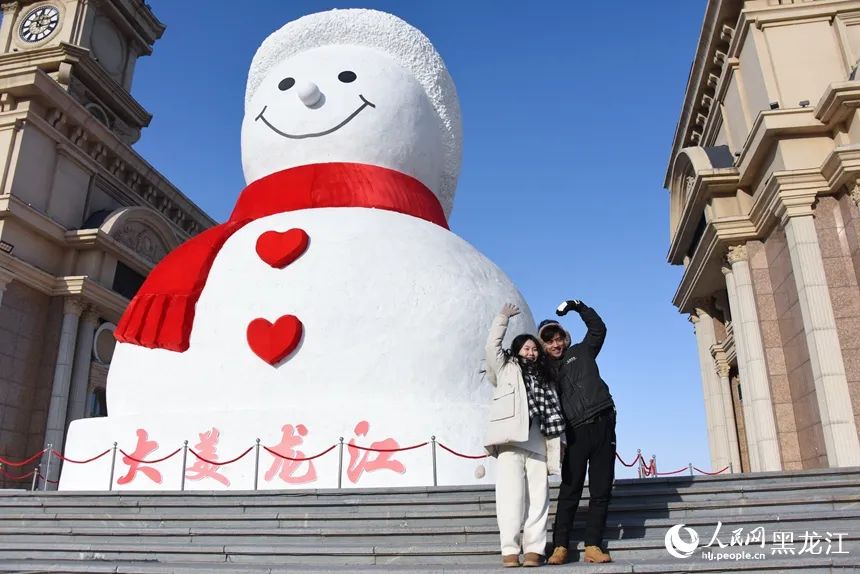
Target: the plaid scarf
pixel 543 402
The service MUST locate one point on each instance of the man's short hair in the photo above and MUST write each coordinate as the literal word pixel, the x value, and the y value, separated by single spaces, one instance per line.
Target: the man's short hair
pixel 549 332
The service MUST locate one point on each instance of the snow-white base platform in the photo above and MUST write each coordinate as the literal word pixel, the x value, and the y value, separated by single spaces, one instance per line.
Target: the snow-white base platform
pixel 220 436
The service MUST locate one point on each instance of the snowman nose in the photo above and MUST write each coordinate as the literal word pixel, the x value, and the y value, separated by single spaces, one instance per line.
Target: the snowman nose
pixel 309 93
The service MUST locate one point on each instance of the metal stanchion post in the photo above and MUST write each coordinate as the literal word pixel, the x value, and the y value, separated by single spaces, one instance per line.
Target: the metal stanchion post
pixel 340 462
pixel 48 467
pixel 731 468
pixel 690 465
pixel 36 472
pixel 433 449
pixel 112 467
pixel 639 462
pixel 256 463
pixel 654 466
pixel 184 461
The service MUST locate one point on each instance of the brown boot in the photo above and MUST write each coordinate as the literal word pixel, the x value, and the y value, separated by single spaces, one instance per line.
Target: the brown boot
pixel 532 559
pixel 595 555
pixel 511 561
pixel 559 556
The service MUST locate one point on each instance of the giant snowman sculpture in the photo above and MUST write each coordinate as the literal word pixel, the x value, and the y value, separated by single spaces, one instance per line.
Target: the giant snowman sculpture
pixel 334 302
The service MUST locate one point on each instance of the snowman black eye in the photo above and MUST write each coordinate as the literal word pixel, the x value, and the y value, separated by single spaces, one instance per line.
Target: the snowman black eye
pixel 286 84
pixel 347 77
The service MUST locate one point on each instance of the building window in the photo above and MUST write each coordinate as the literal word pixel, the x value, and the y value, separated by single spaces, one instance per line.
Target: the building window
pixel 97 403
pixel 126 281
pixel 697 236
pixel 98 112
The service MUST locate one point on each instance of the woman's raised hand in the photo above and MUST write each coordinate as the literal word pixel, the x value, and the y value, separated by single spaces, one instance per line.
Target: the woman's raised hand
pixel 509 310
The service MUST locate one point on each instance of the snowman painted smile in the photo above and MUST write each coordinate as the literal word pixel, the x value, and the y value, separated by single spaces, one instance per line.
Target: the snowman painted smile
pixel 365 103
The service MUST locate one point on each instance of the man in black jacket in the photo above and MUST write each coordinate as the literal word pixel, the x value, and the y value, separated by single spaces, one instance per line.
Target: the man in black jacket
pixel 590 430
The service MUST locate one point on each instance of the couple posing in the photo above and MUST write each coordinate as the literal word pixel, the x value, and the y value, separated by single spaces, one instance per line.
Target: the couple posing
pixel 548 392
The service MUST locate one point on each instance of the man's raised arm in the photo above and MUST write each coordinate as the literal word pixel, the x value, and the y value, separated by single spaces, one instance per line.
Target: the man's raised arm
pixel 595 327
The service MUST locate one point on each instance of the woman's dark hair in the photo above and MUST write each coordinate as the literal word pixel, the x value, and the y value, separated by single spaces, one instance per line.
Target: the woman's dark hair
pixel 517 345
pixel 520 340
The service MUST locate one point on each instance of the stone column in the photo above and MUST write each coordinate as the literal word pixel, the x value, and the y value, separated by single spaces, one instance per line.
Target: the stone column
pixel 758 407
pixel 822 340
pixel 703 325
pixel 740 351
pixel 56 426
pixel 722 370
pixel 81 371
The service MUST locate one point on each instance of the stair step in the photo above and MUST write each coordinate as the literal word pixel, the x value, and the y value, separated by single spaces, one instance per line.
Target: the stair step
pixel 450 533
pixel 418 529
pixel 489 566
pixel 348 497
pixel 357 552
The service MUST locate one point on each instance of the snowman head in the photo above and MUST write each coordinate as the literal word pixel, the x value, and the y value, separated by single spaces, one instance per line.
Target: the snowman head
pixel 356 86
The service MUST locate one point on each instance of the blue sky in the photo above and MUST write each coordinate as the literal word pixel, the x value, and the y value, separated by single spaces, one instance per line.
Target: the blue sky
pixel 568 114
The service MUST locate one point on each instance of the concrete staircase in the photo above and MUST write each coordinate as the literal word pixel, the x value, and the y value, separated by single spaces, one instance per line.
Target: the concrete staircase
pixel 443 529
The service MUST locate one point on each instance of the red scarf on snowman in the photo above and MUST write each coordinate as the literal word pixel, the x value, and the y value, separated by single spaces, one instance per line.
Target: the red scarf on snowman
pixel 161 315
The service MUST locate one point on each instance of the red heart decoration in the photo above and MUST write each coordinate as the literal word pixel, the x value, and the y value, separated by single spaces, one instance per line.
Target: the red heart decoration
pixel 272 342
pixel 280 248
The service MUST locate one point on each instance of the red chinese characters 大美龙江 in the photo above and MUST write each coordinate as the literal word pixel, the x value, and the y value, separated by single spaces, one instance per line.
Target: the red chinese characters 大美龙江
pixel 207 449
pixel 144 447
pixel 369 460
pixel 285 469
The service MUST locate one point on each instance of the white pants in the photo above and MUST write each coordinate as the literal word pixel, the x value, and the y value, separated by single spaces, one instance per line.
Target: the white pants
pixel 522 500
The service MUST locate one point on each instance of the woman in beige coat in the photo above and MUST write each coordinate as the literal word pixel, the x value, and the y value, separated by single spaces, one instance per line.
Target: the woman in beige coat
pixel 523 434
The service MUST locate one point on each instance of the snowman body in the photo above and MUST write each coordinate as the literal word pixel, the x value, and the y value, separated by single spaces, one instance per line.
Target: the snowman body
pixel 390 309
pixel 395 311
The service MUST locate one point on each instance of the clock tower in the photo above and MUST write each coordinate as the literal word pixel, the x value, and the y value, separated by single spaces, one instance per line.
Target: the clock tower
pixel 83 218
pixel 89 47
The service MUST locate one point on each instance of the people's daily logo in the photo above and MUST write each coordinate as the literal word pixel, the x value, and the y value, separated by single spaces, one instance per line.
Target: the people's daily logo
pixel 677 546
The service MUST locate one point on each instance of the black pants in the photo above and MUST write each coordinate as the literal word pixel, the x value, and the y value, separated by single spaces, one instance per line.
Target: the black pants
pixel 591 445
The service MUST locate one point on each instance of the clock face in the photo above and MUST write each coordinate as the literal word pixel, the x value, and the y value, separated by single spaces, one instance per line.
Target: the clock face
pixel 39 23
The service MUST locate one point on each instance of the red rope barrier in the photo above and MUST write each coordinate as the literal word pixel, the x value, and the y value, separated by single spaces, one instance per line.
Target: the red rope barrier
pixel 61 457
pixel 682 469
pixel 279 455
pixel 460 454
pixel 721 471
pixel 125 454
pixel 367 448
pixel 217 463
pixel 17 477
pixel 48 480
pixel 635 460
pixel 23 462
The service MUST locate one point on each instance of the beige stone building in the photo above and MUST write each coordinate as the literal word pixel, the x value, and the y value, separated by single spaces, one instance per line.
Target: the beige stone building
pixel 764 184
pixel 83 218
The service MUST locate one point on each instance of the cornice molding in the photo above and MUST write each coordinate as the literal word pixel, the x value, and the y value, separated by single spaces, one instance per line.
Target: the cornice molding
pixel 787 194
pixel 6 277
pixel 111 304
pixel 78 62
pixel 717 12
pixel 701 79
pixel 105 153
pixel 41 224
pixel 27 274
pixel 838 102
pixel 97 239
pixel 138 19
pixel 705 186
